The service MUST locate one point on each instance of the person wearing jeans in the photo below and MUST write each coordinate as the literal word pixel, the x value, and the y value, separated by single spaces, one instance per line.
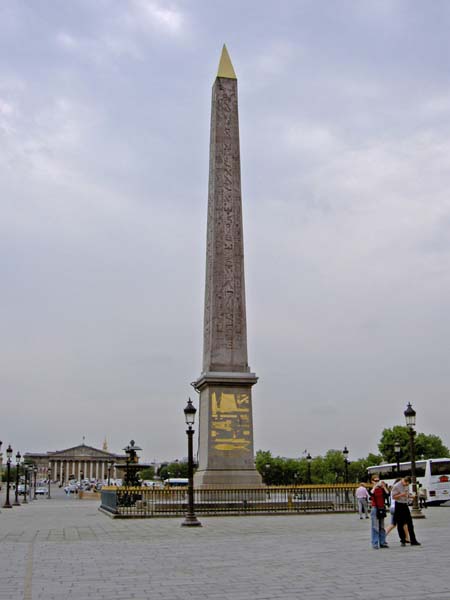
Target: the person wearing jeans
pixel 377 501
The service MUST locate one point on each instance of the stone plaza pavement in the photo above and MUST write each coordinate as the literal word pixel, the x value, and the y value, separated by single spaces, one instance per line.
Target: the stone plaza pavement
pixel 65 548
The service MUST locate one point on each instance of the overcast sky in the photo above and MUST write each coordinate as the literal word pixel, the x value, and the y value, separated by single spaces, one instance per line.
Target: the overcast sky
pixel 345 147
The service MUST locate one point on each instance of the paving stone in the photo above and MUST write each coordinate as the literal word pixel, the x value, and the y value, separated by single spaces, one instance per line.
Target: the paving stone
pixel 58 549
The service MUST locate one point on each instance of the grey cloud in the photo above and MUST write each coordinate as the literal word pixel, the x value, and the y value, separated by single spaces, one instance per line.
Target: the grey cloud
pixel 103 173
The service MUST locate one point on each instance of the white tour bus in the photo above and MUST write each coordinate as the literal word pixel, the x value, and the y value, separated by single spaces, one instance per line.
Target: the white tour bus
pixel 433 474
pixel 176 482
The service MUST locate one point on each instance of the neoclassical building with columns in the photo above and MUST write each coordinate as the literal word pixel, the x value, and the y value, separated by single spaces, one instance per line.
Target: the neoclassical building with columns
pixel 78 462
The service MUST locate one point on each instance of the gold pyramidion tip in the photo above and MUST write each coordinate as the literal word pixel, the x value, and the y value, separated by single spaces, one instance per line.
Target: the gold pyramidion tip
pixel 225 67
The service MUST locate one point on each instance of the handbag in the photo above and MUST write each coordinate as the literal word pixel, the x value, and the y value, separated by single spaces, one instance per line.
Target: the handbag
pixel 381 513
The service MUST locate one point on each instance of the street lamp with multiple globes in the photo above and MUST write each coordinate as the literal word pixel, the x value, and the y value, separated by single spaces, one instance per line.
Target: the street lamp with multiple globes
pixel 410 417
pixel 309 459
pixel 9 453
pixel 16 500
pixel 397 449
pixel 190 519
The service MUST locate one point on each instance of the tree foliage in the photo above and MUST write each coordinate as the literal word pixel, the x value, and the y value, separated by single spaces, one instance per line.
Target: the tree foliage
pixel 330 468
pixel 427 446
pixel 173 469
pixel 147 474
pixel 322 469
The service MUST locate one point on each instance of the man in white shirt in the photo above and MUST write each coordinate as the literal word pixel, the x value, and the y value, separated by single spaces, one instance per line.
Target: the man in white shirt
pixel 362 495
pixel 400 493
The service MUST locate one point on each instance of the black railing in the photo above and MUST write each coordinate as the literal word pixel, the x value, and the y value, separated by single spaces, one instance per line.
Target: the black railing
pixel 151 502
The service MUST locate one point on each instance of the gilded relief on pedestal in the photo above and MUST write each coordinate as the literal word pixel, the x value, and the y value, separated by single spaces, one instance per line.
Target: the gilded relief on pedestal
pixel 230 421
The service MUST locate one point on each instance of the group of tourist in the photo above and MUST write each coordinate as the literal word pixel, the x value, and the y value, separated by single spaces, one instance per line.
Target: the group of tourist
pixel 379 497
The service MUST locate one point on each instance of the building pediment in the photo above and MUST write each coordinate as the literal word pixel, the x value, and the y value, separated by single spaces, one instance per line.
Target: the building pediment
pixel 81 451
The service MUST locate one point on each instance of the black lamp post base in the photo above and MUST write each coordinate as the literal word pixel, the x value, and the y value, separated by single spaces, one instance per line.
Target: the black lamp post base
pixel 191 521
pixel 416 513
pixel 16 503
pixel 7 505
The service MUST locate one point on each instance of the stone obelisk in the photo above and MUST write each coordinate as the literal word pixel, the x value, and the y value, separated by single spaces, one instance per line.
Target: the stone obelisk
pixel 226 455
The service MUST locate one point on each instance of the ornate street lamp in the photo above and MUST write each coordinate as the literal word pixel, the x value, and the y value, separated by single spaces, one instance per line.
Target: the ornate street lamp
pixel 9 453
pixel 190 519
pixel 309 459
pixel 410 417
pixel 397 449
pixel 49 476
pixel 16 500
pixel 345 453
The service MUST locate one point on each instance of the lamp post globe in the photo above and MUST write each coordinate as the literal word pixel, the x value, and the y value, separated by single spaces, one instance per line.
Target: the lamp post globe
pixel 190 519
pixel 410 418
pixel 16 499
pixel 189 413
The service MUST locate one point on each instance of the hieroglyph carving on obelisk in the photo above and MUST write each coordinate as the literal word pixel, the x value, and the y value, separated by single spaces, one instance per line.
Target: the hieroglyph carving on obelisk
pixel 226 454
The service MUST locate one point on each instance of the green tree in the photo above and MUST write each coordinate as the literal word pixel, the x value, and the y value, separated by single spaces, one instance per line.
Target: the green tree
pixel 173 469
pixel 147 474
pixel 279 470
pixel 334 467
pixel 328 469
pixel 358 468
pixel 428 446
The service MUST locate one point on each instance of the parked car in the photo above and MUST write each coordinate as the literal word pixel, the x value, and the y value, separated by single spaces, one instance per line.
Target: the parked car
pixel 41 491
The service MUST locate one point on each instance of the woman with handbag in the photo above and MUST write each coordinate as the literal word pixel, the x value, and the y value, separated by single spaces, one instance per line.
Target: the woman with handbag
pixel 378 495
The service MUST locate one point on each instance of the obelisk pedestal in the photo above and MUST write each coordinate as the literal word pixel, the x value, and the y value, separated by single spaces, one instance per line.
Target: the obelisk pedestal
pixel 226 453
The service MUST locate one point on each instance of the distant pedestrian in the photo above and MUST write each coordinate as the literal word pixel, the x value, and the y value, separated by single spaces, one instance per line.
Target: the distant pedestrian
pixel 362 496
pixel 423 496
pixel 401 495
pixel 378 495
